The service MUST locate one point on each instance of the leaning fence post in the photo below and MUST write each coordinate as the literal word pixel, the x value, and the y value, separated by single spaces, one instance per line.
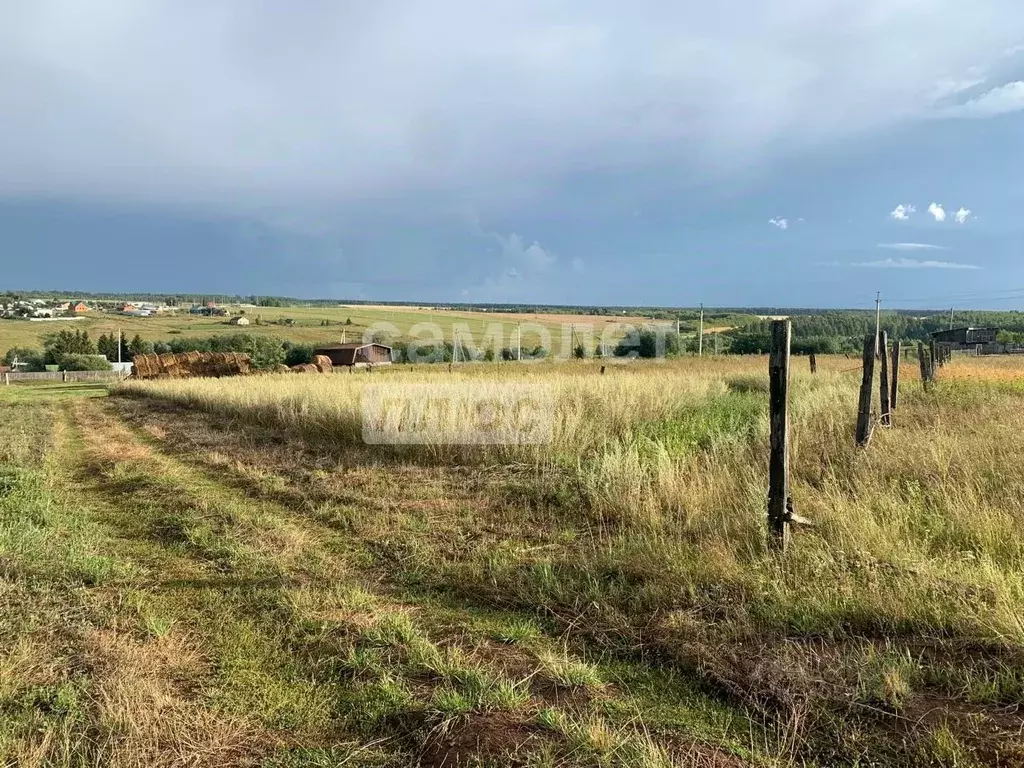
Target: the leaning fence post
pixel 778 462
pixel 814 363
pixel 883 378
pixel 895 383
pixel 864 406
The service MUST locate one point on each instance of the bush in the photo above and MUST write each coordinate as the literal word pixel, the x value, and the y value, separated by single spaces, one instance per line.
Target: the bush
pixel 649 343
pixel 29 360
pixel 264 352
pixel 74 362
pixel 297 354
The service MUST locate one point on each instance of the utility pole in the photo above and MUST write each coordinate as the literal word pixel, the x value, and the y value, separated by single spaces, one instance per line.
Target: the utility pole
pixel 677 325
pixel 878 318
pixel 951 318
pixel 700 337
pixel 716 345
pixel 519 342
pixel 119 345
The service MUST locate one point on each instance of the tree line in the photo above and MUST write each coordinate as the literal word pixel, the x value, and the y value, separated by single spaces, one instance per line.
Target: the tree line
pixel 843 332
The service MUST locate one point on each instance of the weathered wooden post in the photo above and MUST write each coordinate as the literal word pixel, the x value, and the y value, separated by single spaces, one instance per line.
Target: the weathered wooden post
pixel 883 378
pixel 922 363
pixel 7 379
pixel 864 406
pixel 778 462
pixel 895 383
pixel 814 363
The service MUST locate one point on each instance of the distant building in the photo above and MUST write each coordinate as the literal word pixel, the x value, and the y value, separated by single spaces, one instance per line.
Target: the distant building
pixel 356 354
pixel 966 338
pixel 78 308
pixel 126 308
pixel 239 320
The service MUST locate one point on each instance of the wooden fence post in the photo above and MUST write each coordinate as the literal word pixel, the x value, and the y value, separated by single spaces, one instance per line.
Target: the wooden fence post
pixel 894 393
pixel 814 363
pixel 778 462
pixel 923 364
pixel 864 407
pixel 883 378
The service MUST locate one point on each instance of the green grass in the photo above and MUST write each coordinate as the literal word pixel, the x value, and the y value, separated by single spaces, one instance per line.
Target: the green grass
pixel 253 625
pixel 295 603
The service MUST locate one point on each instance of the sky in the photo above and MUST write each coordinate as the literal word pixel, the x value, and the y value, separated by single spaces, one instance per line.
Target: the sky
pixel 763 153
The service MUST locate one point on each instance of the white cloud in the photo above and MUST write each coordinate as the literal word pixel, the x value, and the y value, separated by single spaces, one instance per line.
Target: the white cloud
pixel 780 223
pixel 525 259
pixel 521 271
pixel 936 210
pixel 902 212
pixel 912 247
pixel 998 101
pixel 913 264
pixel 962 215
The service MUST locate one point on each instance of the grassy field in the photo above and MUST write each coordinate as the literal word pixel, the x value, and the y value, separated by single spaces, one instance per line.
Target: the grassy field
pixel 220 572
pixel 308 327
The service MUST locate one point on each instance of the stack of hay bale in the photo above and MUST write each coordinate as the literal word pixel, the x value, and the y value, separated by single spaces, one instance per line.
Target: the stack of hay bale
pixel 186 364
pixel 320 364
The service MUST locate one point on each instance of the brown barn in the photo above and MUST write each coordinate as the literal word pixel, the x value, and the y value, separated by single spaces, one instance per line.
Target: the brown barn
pixel 356 354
